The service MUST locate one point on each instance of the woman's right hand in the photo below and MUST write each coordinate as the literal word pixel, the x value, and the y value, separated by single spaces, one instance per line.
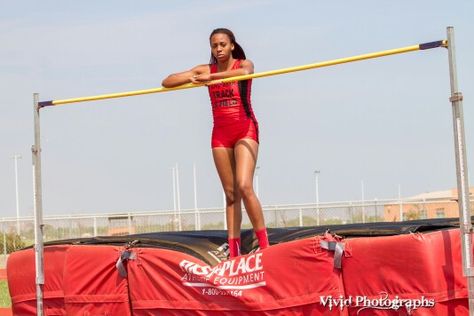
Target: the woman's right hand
pixel 195 75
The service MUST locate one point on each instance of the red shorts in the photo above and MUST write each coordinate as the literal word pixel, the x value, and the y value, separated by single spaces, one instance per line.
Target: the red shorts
pixel 228 135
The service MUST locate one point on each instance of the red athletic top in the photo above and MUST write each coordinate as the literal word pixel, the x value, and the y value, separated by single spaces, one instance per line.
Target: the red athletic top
pixel 229 105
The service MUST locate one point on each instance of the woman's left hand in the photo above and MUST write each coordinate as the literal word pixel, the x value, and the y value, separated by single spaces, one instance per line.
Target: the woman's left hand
pixel 201 78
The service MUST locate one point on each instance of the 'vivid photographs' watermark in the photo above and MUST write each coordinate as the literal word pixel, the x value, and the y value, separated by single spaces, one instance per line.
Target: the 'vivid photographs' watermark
pixel 382 302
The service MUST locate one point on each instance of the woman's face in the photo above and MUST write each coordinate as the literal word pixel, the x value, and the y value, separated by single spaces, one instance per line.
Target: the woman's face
pixel 221 47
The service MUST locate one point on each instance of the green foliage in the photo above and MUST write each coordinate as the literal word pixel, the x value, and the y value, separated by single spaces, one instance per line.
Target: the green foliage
pixel 219 225
pixel 247 226
pixel 12 242
pixel 332 221
pixel 411 215
pixel 5 300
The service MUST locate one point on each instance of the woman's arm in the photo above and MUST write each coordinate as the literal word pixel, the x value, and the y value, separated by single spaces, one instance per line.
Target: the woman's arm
pixel 188 76
pixel 246 68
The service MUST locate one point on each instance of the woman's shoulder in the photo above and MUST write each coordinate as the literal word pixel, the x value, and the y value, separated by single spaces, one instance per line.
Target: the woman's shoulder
pixel 245 62
pixel 202 68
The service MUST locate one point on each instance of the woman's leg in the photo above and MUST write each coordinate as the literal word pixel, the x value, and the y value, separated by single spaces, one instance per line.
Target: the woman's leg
pixel 246 152
pixel 225 164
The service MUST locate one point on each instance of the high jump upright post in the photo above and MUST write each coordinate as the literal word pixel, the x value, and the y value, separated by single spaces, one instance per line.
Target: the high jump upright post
pixel 38 207
pixel 461 171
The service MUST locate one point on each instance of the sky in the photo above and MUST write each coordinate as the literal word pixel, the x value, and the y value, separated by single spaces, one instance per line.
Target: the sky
pixel 383 124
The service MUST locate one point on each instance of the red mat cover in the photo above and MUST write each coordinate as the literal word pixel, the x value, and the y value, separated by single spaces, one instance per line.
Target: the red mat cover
pixel 409 274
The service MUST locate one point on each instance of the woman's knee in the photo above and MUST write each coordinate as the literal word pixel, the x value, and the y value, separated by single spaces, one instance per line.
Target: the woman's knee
pixel 230 196
pixel 245 188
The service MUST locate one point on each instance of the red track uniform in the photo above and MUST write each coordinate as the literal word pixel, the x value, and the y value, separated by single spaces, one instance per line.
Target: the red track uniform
pixel 232 111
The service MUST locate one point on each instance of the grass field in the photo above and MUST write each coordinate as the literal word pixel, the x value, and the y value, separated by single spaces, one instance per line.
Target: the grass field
pixel 4 295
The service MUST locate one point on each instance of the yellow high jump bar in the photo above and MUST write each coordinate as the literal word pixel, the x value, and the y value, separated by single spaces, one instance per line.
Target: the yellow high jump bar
pixel 424 46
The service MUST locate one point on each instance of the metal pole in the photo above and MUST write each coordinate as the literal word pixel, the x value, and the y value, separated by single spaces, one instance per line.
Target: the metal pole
pixel 38 208
pixel 195 186
pixel 300 213
pixel 178 198
pixel 129 223
pixel 400 202
pixel 461 171
pixel 351 211
pixel 70 226
pixel 197 224
pixel 376 211
pixel 424 210
pixel 4 241
pixel 95 226
pixel 174 198
pixel 363 199
pixel 318 215
pixel 16 157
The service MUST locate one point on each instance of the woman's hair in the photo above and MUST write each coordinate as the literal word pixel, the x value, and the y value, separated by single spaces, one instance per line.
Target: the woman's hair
pixel 237 53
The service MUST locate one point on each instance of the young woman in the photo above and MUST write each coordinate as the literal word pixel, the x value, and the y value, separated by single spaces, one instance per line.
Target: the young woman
pixel 235 133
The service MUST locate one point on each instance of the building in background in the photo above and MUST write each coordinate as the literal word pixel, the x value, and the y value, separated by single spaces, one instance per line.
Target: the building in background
pixel 438 204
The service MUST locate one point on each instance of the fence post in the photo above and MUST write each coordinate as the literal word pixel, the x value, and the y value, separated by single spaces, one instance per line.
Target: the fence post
pixel 95 226
pixel 376 210
pixel 276 218
pixel 4 242
pixel 351 212
pixel 129 219
pixel 401 210
pixel 301 217
pixel 425 211
pixel 13 241
pixel 70 227
pixel 197 219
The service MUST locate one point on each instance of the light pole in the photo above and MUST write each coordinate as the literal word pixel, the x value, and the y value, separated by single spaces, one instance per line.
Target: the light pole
pixel 197 219
pixel 362 189
pixel 16 157
pixel 174 191
pixel 400 202
pixel 178 197
pixel 316 180
pixel 195 186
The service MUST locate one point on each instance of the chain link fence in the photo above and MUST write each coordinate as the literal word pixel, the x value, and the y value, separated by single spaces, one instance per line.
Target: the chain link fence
pixel 16 234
